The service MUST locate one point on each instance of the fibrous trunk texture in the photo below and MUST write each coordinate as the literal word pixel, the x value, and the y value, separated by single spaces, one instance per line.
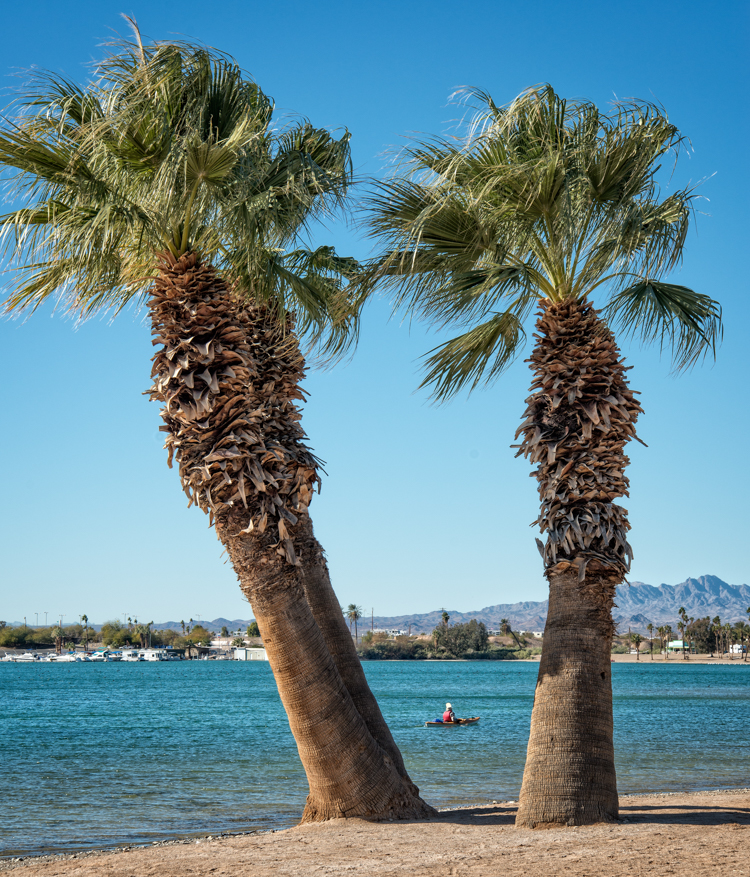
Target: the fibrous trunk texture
pixel 228 374
pixel 327 612
pixel 579 417
pixel 349 773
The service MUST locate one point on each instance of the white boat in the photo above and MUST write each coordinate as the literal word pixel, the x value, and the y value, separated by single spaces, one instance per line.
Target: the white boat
pixel 70 658
pixel 131 655
pixel 102 655
pixel 153 654
pixel 28 656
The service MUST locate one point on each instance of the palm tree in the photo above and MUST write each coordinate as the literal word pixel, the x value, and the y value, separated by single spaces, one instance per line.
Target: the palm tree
pixel 163 181
pixel 650 629
pixel 445 617
pixel 637 639
pixel 58 635
pixel 507 630
pixel 549 203
pixel 689 632
pixel 681 631
pixel 85 620
pixel 666 634
pixel 717 631
pixel 683 626
pixel 353 613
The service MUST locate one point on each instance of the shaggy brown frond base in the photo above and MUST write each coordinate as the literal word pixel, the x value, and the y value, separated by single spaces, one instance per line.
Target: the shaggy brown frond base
pixel 229 380
pixel 579 418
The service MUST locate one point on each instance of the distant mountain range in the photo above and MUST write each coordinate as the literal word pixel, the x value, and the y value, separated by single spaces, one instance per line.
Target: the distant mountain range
pixel 638 604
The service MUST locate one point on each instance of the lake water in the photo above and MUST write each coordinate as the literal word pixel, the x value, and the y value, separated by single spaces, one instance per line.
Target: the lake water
pixel 95 755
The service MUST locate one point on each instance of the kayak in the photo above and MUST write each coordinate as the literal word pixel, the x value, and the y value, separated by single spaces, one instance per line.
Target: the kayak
pixel 472 721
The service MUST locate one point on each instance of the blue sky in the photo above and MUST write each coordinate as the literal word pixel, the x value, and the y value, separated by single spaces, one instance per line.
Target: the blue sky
pixel 423 506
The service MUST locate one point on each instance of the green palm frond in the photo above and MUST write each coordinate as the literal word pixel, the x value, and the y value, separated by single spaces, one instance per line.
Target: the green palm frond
pixel 480 355
pixel 668 315
pixel 170 147
pixel 543 198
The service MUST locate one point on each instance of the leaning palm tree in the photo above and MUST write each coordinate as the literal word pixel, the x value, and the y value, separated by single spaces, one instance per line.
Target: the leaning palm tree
pixel 163 182
pixel 548 203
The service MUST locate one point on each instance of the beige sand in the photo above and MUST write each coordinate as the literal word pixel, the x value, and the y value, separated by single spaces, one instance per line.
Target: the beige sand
pixel 700 834
pixel 645 658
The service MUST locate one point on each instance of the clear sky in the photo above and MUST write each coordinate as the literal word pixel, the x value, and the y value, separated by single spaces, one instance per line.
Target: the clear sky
pixel 422 506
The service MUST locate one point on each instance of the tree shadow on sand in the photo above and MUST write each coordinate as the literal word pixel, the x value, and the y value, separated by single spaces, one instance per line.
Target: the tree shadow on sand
pixel 642 814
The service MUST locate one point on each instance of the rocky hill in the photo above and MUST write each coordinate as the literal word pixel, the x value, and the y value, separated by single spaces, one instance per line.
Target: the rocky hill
pixel 638 604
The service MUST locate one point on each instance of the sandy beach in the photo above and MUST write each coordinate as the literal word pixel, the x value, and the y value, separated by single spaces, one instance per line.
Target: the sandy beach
pixel 703 833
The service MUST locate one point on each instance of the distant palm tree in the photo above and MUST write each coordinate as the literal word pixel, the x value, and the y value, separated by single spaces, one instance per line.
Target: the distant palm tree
pixel 650 629
pixel 58 635
pixel 662 631
pixel 683 628
pixel 551 203
pixel 446 618
pixel 85 620
pixel 717 632
pixel 637 639
pixel 507 630
pixel 668 637
pixel 353 613
pixel 728 638
pixel 689 632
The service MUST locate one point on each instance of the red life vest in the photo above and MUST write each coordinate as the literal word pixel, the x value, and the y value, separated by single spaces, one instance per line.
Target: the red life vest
pixel 448 716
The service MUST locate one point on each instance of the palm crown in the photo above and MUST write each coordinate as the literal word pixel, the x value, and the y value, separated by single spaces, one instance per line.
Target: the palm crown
pixel 170 148
pixel 545 199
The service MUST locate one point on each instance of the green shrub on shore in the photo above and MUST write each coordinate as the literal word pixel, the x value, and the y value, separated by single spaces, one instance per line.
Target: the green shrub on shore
pixel 381 647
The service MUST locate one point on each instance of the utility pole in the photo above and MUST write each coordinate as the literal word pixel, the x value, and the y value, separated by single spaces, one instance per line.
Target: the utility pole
pixel 45 619
pixel 37 619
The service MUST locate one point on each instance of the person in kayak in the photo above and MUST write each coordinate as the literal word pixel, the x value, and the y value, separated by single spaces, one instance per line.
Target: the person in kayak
pixel 449 715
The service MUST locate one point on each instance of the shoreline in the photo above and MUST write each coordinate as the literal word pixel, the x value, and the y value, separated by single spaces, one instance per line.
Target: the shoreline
pixel 678 829
pixel 645 658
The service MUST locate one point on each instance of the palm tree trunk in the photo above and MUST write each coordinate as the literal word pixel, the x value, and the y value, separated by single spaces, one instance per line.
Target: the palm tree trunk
pixel 229 373
pixel 569 776
pixel 348 772
pixel 580 416
pixel 327 612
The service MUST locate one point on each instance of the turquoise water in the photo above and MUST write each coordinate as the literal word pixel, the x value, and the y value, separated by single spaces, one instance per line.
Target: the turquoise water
pixel 106 754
